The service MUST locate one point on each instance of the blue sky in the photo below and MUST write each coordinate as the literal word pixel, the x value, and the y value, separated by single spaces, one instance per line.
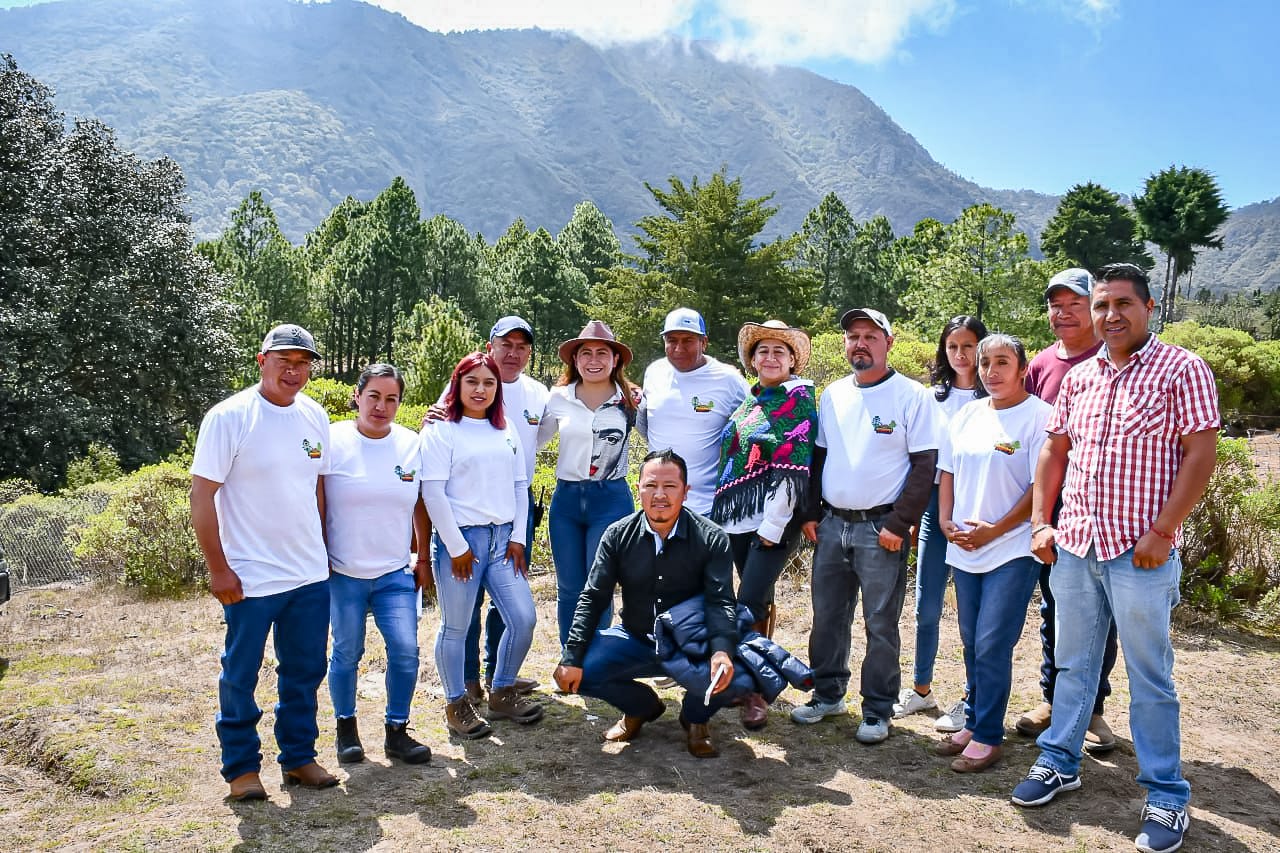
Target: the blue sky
pixel 1014 94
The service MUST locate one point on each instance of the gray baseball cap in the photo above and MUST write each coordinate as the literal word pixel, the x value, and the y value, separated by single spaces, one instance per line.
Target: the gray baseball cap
pixel 866 314
pixel 1077 280
pixel 289 336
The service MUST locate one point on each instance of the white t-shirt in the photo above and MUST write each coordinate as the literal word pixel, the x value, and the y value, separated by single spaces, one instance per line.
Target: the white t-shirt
pixel 479 466
pixel 955 401
pixel 524 402
pixel 268 459
pixel 687 413
pixel 991 454
pixel 868 434
pixel 369 494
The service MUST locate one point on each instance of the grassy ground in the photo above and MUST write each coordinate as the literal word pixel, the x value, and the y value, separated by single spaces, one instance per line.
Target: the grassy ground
pixel 107 743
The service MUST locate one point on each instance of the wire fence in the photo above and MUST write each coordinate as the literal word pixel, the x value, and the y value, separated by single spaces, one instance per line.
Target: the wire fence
pixel 38 534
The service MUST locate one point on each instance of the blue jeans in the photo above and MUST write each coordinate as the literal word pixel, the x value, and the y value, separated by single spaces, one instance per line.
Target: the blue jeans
pixel 299 624
pixel 493 624
pixel 1091 592
pixel 510 594
pixel 614 661
pixel 580 511
pixel 992 608
pixel 392 598
pixel 932 573
pixel 848 560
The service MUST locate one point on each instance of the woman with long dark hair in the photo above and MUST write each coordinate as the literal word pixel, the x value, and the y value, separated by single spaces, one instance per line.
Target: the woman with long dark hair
pixel 955 383
pixel 593 408
pixel 474 486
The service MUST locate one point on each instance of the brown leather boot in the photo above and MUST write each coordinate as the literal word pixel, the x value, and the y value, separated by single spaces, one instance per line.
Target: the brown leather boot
pixel 310 775
pixel 1036 720
pixel 524 686
pixel 474 692
pixel 755 712
pixel 461 718
pixel 247 786
pixel 699 739
pixel 507 704
pixel 624 730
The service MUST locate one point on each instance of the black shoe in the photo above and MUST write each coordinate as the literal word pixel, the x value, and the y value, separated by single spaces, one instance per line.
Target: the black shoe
pixel 348 742
pixel 400 745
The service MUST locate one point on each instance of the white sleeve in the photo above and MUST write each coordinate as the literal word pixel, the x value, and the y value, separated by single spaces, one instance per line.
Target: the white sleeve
pixel 642 417
pixel 945 462
pixel 779 506
pixel 548 427
pixel 518 524
pixel 216 445
pixel 1037 440
pixel 824 412
pixel 923 431
pixel 442 520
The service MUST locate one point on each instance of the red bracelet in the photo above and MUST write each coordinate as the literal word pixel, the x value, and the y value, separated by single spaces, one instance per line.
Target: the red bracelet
pixel 1162 534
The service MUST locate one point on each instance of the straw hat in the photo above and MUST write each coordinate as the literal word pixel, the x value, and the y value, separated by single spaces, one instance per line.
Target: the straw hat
pixel 753 333
pixel 595 331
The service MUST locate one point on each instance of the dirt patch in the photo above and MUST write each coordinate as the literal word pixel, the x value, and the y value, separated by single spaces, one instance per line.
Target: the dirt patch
pixel 1266 455
pixel 129 689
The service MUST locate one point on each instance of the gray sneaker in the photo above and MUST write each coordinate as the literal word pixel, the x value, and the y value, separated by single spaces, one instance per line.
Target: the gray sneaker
pixel 816 709
pixel 953 720
pixel 872 730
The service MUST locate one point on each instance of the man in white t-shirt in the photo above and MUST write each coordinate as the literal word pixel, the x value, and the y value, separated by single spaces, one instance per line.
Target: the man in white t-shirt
pixel 256 509
pixel 873 467
pixel 524 401
pixel 688 398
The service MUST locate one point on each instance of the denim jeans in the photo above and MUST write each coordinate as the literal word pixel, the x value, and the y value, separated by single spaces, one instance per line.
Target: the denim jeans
pixel 510 594
pixel 848 560
pixel 580 511
pixel 392 598
pixel 992 608
pixel 758 568
pixel 1048 660
pixel 493 624
pixel 299 624
pixel 1091 592
pixel 932 573
pixel 614 661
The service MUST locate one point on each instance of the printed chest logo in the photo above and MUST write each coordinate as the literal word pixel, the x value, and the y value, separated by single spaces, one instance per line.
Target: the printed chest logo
pixel 315 451
pixel 532 420
pixel 1008 447
pixel 882 428
pixel 702 406
pixel 512 445
pixel 406 476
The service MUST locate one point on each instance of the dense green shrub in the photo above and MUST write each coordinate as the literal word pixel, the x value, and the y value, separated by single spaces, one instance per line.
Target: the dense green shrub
pixel 38 532
pixel 99 464
pixel 1247 371
pixel 14 488
pixel 333 395
pixel 143 538
pixel 909 356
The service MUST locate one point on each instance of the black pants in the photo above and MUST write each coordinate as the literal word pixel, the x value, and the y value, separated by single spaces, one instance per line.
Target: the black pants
pixel 758 568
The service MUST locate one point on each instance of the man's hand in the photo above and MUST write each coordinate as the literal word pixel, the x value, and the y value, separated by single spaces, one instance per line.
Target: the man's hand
pixel 810 531
pixel 515 553
pixel 889 540
pixel 1152 551
pixel 463 565
pixel 225 586
pixel 568 678
pixel 435 412
pixel 1043 545
pixel 717 660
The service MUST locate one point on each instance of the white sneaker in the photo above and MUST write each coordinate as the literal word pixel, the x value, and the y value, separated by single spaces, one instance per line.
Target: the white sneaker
pixel 665 683
pixel 872 730
pixel 953 719
pixel 815 710
pixel 910 702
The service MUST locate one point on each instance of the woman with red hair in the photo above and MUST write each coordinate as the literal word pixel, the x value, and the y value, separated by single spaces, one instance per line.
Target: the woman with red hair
pixel 474 486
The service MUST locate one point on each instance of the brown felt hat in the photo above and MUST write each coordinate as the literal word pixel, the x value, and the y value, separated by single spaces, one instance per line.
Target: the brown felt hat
pixel 597 331
pixel 753 333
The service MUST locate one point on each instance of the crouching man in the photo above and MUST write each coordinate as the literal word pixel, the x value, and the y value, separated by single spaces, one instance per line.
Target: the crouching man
pixel 660 556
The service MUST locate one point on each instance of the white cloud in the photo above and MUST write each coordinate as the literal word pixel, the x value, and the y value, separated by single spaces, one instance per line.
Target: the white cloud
pixel 770 31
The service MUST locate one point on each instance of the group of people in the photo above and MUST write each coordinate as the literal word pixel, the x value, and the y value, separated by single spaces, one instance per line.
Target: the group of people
pixel 1074 472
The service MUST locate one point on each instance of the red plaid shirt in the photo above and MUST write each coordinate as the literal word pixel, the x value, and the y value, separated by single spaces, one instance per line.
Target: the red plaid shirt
pixel 1125 428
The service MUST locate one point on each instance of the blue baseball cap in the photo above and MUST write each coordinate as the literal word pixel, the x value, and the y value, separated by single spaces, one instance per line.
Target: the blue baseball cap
pixel 685 320
pixel 507 325
pixel 1077 280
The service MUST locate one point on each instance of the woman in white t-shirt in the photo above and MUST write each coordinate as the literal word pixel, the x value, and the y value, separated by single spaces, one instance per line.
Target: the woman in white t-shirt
pixel 955 383
pixel 475 485
pixel 988 463
pixel 593 408
pixel 371 510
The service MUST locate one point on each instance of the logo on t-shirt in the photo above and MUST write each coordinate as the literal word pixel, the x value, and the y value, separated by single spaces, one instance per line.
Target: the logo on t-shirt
pixel 406 476
pixel 1008 447
pixel 512 445
pixel 312 450
pixel 703 406
pixel 532 420
pixel 882 428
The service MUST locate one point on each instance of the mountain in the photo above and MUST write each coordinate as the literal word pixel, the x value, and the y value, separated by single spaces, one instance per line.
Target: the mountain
pixel 1250 257
pixel 314 102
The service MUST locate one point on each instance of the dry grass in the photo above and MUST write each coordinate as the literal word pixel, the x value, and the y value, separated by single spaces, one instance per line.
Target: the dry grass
pixel 107 743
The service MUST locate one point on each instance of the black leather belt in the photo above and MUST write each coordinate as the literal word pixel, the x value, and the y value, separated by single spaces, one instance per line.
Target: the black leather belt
pixel 873 514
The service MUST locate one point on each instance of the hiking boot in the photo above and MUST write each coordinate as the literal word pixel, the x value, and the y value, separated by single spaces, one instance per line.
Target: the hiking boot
pixel 506 704
pixel 1162 829
pixel 953 720
pixel 872 730
pixel 910 702
pixel 1098 738
pixel 461 717
pixel 1042 785
pixel 474 692
pixel 815 710
pixel 399 744
pixel 523 686
pixel 1036 720
pixel 350 750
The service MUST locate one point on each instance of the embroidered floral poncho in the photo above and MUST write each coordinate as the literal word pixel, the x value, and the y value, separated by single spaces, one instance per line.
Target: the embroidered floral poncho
pixel 765 456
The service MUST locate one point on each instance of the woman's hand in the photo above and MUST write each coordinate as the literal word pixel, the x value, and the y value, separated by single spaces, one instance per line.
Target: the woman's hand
pixel 515 554
pixel 463 565
pixel 950 530
pixel 422 577
pixel 979 534
pixel 768 543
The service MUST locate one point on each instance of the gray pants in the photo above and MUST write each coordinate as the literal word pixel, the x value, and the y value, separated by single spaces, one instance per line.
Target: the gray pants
pixel 849 558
